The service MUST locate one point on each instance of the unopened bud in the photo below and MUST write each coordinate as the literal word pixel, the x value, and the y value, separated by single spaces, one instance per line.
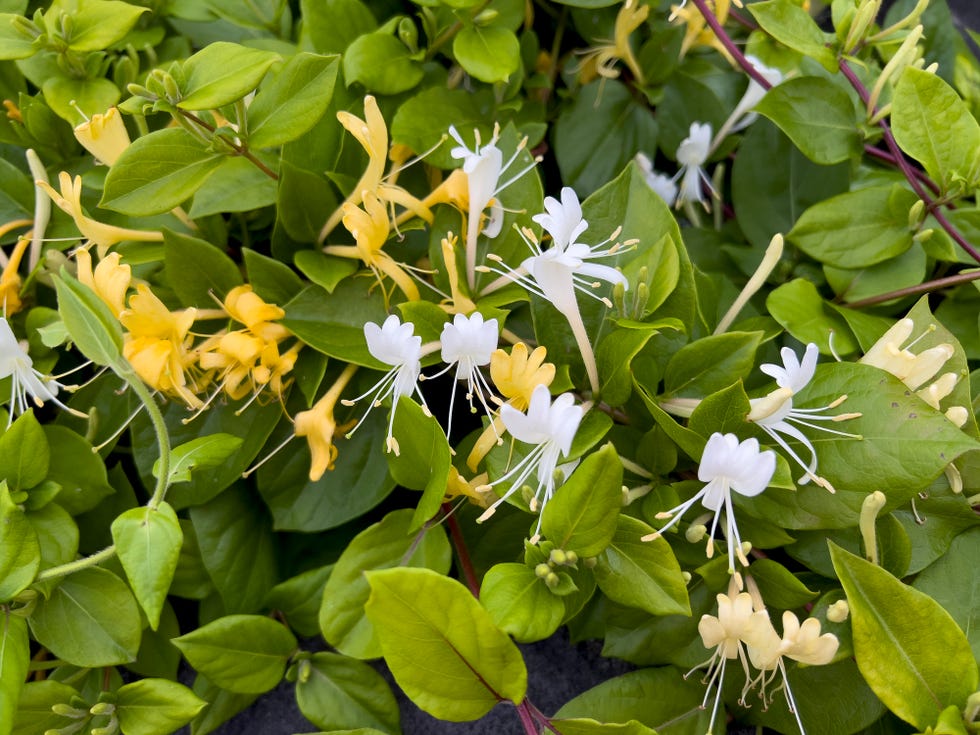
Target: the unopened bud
pixel 542 570
pixel 590 562
pixel 25 27
pixel 915 214
pixel 305 671
pixel 687 577
pixel 102 708
pixel 552 580
pixel 408 34
pixel 870 508
pixel 923 235
pixel 571 558
pixel 558 556
pixel 66 710
pixel 838 612
pixel 860 23
pixel 695 532
pixel 958 415
pixel 486 17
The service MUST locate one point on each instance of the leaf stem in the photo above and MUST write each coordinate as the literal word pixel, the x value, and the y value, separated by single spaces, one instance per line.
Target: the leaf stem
pixel 239 148
pixel 526 719
pixel 163 437
pixel 462 553
pixel 78 565
pixel 934 285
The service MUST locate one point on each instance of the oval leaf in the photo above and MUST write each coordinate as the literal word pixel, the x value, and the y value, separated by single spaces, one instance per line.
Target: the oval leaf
pixel 427 622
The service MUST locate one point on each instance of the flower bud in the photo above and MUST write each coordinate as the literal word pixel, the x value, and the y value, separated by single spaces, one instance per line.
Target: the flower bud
pixel 838 612
pixel 558 556
pixel 102 708
pixel 66 710
pixel 552 580
pixel 571 558
pixel 542 570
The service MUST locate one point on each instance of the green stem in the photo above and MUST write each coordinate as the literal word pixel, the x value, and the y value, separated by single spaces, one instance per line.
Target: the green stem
pixel 448 34
pixel 78 565
pixel 239 149
pixel 163 437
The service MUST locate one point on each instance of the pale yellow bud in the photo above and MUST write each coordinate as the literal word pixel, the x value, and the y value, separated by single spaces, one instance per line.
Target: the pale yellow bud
pixel 104 136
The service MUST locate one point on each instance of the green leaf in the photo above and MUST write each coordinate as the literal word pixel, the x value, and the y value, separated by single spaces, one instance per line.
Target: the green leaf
pixel 792 25
pixel 357 482
pixel 246 654
pixel 909 650
pixel 90 323
pixel 954 582
pixel 427 622
pixel 90 620
pixel 293 101
pixel 660 698
pixel 389 543
pixel 598 135
pixel 935 126
pixel 723 411
pixel 203 452
pixel 158 172
pixel 77 468
pixel 613 357
pixel 489 53
pixel 582 515
pixel 238 547
pixel 33 714
pixel 13 45
pixel 779 588
pixel 520 603
pixel 222 705
pixel 421 458
pixel 420 120
pixel 98 24
pixel 336 693
pixel 24 453
pixel 197 270
pixel 222 73
pixel 92 97
pixel 711 363
pixel 148 544
pixel 298 598
pixel 381 63
pixel 20 554
pixel 155 707
pixel 15 657
pixel 334 323
pixel 237 185
pixel 329 26
pixel 803 313
pixel 271 279
pixel 326 271
pixel 856 229
pixel 773 183
pixel 817 115
pixel 642 574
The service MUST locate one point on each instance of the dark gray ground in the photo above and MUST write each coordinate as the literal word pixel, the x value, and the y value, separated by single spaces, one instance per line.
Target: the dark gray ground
pixel 557 670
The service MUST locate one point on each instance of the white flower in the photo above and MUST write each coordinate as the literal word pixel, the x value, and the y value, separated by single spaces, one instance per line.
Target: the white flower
pixel 550 427
pixel 726 465
pixel 691 154
pixel 395 344
pixel 27 385
pixel 742 116
pixel 557 272
pixel 662 185
pixel 483 166
pixel 774 412
pixel 467 343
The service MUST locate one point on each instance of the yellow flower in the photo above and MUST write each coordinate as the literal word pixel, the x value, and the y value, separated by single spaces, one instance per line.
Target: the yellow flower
pixel 235 353
pixel 515 376
pixel 69 200
pixel 476 490
pixel 245 306
pixel 110 280
pixel 458 303
pixel 602 59
pixel 104 136
pixel 698 33
pixel 157 344
pixel 319 426
pixel 370 227
pixel 10 302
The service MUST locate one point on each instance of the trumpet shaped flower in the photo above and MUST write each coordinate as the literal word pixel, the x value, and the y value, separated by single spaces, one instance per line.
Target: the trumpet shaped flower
pixel 727 465
pixel 467 343
pixel 776 415
pixel 484 166
pixel 556 273
pixel 110 279
pixel 104 136
pixel 27 385
pixel 397 345
pixel 548 425
pixel 691 154
pixel 604 56
pixel 103 236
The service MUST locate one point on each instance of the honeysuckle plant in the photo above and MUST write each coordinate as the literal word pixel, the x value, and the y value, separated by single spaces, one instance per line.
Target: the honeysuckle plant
pixel 709 254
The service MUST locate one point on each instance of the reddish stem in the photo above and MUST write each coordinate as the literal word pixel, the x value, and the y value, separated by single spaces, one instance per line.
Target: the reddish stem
pixel 926 287
pixel 462 553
